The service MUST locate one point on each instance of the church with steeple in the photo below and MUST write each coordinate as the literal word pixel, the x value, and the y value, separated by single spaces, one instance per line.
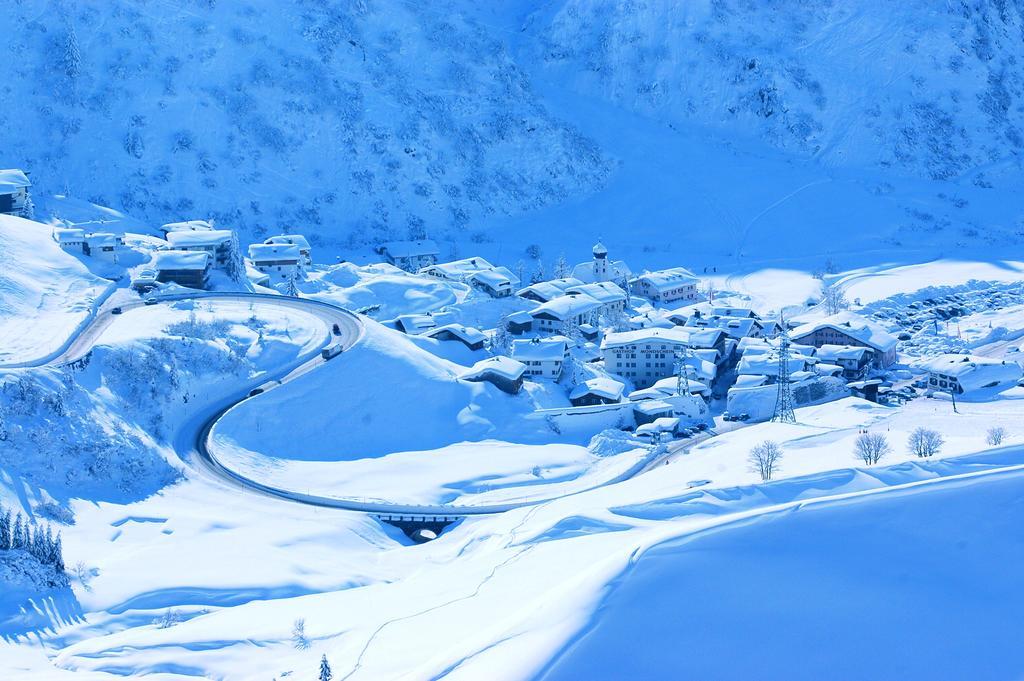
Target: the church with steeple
pixel 601 268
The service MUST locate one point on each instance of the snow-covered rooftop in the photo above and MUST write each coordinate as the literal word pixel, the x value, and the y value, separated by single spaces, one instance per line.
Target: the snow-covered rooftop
pixel 409 249
pixel 539 349
pixel 194 238
pixel 662 280
pixel 181 260
pixel 973 372
pixel 12 179
pixel 832 353
pixel 459 269
pixel 276 252
pixel 506 367
pixel 676 335
pixel 493 278
pixel 295 239
pixel 565 307
pixel 853 325
pixel 602 386
pixel 467 334
pixel 189 226
pixel 605 292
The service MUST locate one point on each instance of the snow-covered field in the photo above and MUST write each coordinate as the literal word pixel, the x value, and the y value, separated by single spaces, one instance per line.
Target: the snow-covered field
pixel 774 149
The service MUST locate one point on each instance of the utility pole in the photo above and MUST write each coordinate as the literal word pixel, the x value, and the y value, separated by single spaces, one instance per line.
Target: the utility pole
pixel 784 398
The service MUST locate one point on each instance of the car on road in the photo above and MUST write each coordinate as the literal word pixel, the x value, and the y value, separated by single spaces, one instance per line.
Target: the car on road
pixel 331 351
pixel 255 391
pixel 743 417
pixel 336 330
pixel 701 426
pixel 151 301
pixel 116 310
pixel 697 483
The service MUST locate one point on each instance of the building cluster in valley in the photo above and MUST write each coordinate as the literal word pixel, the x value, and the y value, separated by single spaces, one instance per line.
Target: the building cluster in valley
pixel 650 346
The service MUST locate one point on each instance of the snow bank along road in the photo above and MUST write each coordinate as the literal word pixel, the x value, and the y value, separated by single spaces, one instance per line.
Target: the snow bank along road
pixel 193 439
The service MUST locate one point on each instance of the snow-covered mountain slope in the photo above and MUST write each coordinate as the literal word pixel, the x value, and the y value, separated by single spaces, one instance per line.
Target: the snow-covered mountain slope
pixel 718 133
pixel 44 292
pixel 928 88
pixel 370 120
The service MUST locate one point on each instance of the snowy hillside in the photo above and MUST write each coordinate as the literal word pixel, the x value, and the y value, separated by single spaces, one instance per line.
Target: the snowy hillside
pixel 357 119
pixel 45 293
pixel 927 88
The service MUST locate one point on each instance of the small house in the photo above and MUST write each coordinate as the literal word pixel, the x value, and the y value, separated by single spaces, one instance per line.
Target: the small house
pixel 599 390
pixel 848 328
pixel 279 261
pixel 667 286
pixel 185 268
pixel 474 339
pixel 854 360
pixel 187 226
pixel 519 322
pixel 665 427
pixel 71 239
pixel 14 195
pixel 102 246
pixel 544 358
pixel 218 243
pixel 497 282
pixel 410 256
pixel 966 373
pixel 545 291
pixel 503 372
pixel 297 240
pixel 415 324
pixel 568 309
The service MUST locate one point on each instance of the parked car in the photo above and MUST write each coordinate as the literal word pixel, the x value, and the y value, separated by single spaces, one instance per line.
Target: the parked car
pixel 336 330
pixel 151 301
pixel 701 426
pixel 726 416
pixel 116 310
pixel 743 417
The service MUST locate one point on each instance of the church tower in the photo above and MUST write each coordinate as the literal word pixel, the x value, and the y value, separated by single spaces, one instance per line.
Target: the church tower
pixel 600 262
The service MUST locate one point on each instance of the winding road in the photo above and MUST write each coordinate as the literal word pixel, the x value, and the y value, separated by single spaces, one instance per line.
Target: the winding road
pixel 193 440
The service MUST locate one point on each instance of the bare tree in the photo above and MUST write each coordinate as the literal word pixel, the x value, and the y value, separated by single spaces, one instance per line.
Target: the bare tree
pixel 995 435
pixel 561 267
pixel 764 459
pixel 871 447
pixel 835 300
pixel 924 442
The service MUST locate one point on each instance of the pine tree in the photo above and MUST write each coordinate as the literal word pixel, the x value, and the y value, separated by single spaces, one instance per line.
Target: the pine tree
pixel 5 530
pixel 235 265
pixel 58 554
pixel 538 274
pixel 18 533
pixel 325 670
pixel 501 341
pixel 49 554
pixel 290 288
pixel 71 57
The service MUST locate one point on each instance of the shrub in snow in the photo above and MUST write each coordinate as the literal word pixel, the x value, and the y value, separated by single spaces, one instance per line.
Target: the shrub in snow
pixel 871 447
pixel 55 512
pixel 995 436
pixel 325 670
pixel 924 442
pixel 765 458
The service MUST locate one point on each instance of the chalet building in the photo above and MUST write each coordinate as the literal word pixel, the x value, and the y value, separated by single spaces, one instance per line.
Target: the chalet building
pixel 519 323
pixel 187 226
pixel 498 282
pixel 847 328
pixel 966 373
pixel 410 256
pixel 297 240
pixel 546 291
pixel 14 194
pixel 853 360
pixel 103 246
pixel 646 356
pixel 601 268
pixel 733 311
pixel 279 262
pixel 544 358
pixel 568 309
pixel 600 390
pixel 415 324
pixel 503 372
pixel 667 286
pixel 474 339
pixel 71 239
pixel 218 243
pixel 185 268
pixel 609 294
